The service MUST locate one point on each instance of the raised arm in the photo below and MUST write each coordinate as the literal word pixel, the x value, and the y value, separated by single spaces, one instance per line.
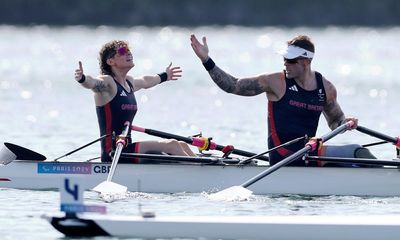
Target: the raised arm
pixel 240 86
pixel 250 86
pixel 95 84
pixel 171 73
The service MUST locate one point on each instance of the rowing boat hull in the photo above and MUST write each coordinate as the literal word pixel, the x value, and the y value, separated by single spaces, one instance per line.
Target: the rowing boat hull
pixel 233 227
pixel 195 178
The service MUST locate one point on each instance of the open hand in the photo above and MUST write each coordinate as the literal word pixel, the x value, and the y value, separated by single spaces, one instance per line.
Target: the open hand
pixel 201 50
pixel 173 72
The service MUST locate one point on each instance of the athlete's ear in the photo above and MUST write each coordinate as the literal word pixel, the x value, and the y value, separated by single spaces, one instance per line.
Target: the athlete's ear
pixel 110 61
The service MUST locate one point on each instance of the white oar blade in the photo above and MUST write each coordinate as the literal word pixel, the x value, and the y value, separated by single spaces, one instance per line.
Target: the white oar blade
pixel 235 193
pixel 110 188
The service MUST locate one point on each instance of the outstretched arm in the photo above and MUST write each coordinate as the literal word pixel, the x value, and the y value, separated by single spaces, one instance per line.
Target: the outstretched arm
pixel 171 73
pixel 95 84
pixel 241 86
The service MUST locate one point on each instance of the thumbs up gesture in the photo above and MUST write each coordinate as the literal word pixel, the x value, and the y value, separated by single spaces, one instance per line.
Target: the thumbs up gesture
pixel 79 76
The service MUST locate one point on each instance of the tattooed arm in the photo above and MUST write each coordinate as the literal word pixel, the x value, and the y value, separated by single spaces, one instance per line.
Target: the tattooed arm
pixel 244 86
pixel 332 111
pixel 97 85
pixel 333 114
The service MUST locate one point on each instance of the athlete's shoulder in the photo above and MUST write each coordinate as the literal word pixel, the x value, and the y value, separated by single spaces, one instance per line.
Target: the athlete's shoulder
pixel 327 83
pixel 274 83
pixel 272 77
pixel 105 77
pixel 330 89
pixel 131 80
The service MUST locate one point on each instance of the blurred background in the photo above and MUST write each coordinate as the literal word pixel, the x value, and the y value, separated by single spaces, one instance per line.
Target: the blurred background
pixel 286 13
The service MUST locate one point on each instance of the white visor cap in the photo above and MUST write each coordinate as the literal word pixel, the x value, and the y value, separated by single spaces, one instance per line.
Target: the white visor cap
pixel 291 52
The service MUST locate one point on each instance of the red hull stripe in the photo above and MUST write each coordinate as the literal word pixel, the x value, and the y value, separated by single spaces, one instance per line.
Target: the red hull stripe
pixel 108 119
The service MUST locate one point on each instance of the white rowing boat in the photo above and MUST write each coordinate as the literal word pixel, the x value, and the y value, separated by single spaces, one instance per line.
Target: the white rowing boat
pixel 209 174
pixel 232 227
pixel 77 222
pixel 195 178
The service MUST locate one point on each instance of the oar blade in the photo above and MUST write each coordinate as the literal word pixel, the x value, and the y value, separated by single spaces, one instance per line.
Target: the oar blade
pixel 110 188
pixel 10 152
pixel 235 193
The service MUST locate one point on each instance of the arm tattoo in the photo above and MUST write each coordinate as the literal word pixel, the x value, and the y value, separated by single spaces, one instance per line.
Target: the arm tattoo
pixel 99 86
pixel 230 84
pixel 334 114
pixel 247 87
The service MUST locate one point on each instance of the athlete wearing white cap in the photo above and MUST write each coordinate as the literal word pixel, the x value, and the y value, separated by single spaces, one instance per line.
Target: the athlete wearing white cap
pixel 296 96
pixel 292 51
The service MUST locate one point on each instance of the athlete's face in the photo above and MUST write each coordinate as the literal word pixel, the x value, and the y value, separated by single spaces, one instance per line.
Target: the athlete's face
pixel 123 57
pixel 295 67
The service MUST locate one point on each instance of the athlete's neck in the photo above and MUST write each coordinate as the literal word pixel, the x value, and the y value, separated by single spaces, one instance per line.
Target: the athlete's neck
pixel 307 80
pixel 120 75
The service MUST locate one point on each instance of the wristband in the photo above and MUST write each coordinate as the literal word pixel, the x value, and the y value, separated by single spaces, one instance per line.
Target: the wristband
pixel 163 76
pixel 83 78
pixel 209 64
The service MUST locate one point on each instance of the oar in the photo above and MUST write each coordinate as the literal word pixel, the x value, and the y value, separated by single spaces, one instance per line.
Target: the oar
pixel 109 187
pixel 201 143
pixel 374 144
pixel 240 192
pixel 82 147
pixel 394 140
pixel 245 161
pixel 10 152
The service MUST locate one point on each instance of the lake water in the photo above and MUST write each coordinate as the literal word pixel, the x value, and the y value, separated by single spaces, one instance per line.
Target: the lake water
pixel 44 109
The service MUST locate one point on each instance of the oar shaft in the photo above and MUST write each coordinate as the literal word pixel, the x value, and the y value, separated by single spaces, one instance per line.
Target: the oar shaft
pixel 374 144
pixel 310 146
pixel 245 153
pixel 194 141
pixel 118 151
pixel 272 149
pixel 82 147
pixel 275 167
pixel 120 145
pixel 162 134
pixel 395 141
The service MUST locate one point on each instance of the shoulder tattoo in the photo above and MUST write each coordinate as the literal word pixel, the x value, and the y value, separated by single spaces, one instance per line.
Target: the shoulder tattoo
pixel 100 86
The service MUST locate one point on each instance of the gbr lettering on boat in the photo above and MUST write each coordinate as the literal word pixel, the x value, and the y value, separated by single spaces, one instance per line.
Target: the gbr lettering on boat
pixel 72 168
pixel 101 168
